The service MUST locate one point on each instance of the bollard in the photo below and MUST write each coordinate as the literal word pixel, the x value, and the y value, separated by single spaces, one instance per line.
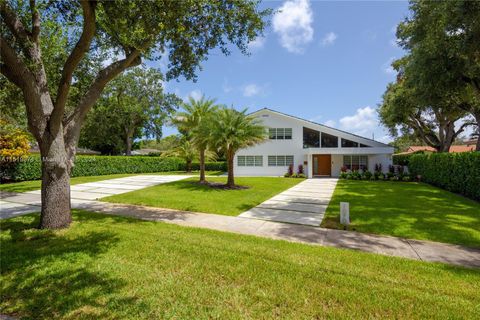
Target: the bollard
pixel 344 213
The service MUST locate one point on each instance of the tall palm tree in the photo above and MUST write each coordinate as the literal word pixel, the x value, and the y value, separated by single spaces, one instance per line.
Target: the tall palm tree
pixel 191 121
pixel 232 130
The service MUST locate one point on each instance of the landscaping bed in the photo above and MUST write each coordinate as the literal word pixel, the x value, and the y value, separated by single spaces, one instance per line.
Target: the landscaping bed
pixel 190 196
pixel 410 210
pixel 108 267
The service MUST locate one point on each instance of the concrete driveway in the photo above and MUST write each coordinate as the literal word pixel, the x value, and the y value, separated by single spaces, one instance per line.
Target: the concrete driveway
pixel 304 203
pixel 26 202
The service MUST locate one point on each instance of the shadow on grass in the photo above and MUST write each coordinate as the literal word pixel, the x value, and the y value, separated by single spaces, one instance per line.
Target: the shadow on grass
pixel 49 274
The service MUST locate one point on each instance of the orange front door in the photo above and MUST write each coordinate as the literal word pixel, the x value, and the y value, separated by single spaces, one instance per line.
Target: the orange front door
pixel 322 164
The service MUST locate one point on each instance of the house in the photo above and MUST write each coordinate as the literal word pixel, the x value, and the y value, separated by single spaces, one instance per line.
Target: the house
pixel 322 150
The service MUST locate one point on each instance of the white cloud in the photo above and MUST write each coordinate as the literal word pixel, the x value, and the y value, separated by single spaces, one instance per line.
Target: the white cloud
pixel 195 94
pixel 387 67
pixel 329 39
pixel 256 44
pixel 331 123
pixel 251 90
pixel 362 122
pixel 293 23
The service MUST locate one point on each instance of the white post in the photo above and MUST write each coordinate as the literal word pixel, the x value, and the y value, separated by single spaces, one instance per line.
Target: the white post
pixel 344 213
pixel 309 166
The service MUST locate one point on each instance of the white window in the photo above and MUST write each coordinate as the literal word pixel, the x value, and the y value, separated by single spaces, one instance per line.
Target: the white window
pixel 280 133
pixel 280 161
pixel 355 162
pixel 250 161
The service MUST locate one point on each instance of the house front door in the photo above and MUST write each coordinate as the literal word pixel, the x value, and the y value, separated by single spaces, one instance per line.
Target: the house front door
pixel 322 164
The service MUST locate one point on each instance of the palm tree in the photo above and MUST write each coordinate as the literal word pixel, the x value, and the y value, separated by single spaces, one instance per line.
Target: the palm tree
pixel 232 130
pixel 185 150
pixel 191 123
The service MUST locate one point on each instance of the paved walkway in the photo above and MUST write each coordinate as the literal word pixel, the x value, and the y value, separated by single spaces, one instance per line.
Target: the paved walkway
pixel 303 204
pixel 14 204
pixel 412 249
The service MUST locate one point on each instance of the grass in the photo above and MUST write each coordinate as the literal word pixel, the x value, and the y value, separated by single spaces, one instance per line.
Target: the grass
pixel 25 186
pixel 409 210
pixel 108 267
pixel 191 196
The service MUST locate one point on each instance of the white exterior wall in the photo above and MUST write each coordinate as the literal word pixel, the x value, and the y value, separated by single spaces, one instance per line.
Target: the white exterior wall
pixel 378 153
pixel 275 148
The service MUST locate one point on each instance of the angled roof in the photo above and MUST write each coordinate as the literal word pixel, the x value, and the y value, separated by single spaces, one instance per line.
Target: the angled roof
pixel 319 124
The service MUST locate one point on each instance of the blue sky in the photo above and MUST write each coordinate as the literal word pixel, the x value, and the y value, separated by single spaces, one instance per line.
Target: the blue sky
pixel 322 61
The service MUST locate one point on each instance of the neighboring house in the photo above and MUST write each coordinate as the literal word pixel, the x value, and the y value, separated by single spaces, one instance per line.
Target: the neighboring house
pixel 322 150
pixel 426 149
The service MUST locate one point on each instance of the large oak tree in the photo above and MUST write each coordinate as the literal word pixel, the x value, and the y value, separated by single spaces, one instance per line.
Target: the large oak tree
pixel 443 43
pixel 128 31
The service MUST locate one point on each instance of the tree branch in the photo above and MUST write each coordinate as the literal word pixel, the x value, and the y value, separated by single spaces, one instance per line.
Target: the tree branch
pixel 14 68
pixel 77 54
pixel 35 21
pixel 73 122
pixel 15 25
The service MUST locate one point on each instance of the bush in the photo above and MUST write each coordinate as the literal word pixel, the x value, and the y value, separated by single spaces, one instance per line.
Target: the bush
pixel 300 169
pixel 367 174
pixel 30 168
pixel 401 159
pixel 301 175
pixel 455 172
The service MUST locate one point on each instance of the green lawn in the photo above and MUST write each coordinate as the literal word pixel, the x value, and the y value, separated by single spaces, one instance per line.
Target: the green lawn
pixel 107 267
pixel 410 210
pixel 189 195
pixel 25 186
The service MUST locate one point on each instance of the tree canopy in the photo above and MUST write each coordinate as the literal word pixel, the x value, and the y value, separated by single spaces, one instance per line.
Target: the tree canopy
pixel 62 54
pixel 132 106
pixel 439 78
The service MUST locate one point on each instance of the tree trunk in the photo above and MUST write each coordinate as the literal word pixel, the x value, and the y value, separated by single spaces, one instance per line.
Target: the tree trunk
pixel 202 166
pixel 230 179
pixel 189 166
pixel 56 166
pixel 476 115
pixel 128 146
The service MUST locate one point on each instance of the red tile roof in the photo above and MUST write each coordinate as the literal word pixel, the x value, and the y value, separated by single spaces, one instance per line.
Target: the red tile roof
pixel 458 148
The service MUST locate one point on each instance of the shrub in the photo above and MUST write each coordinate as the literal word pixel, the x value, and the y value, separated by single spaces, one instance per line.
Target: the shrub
pixel 455 172
pixel 301 175
pixel 378 167
pixel 373 178
pixel 401 159
pixel 290 170
pixel 343 175
pixel 343 169
pixel 30 168
pixel 406 178
pixel 286 175
pixel 300 169
pixel 367 174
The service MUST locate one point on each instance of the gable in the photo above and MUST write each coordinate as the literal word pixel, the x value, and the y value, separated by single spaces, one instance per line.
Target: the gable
pixel 279 118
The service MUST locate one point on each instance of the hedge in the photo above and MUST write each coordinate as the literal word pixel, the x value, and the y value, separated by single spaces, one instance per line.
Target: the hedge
pixel 455 172
pixel 401 159
pixel 30 168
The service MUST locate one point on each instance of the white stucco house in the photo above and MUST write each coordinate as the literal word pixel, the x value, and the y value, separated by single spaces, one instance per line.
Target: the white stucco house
pixel 321 150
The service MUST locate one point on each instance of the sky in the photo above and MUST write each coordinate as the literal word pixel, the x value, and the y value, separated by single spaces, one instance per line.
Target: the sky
pixel 327 62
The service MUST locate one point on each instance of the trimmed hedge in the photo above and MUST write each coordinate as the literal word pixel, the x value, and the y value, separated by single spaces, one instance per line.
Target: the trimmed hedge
pixel 455 172
pixel 30 168
pixel 401 159
pixel 209 166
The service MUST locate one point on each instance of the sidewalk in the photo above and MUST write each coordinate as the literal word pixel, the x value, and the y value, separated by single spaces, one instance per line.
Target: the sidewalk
pixel 13 204
pixel 391 246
